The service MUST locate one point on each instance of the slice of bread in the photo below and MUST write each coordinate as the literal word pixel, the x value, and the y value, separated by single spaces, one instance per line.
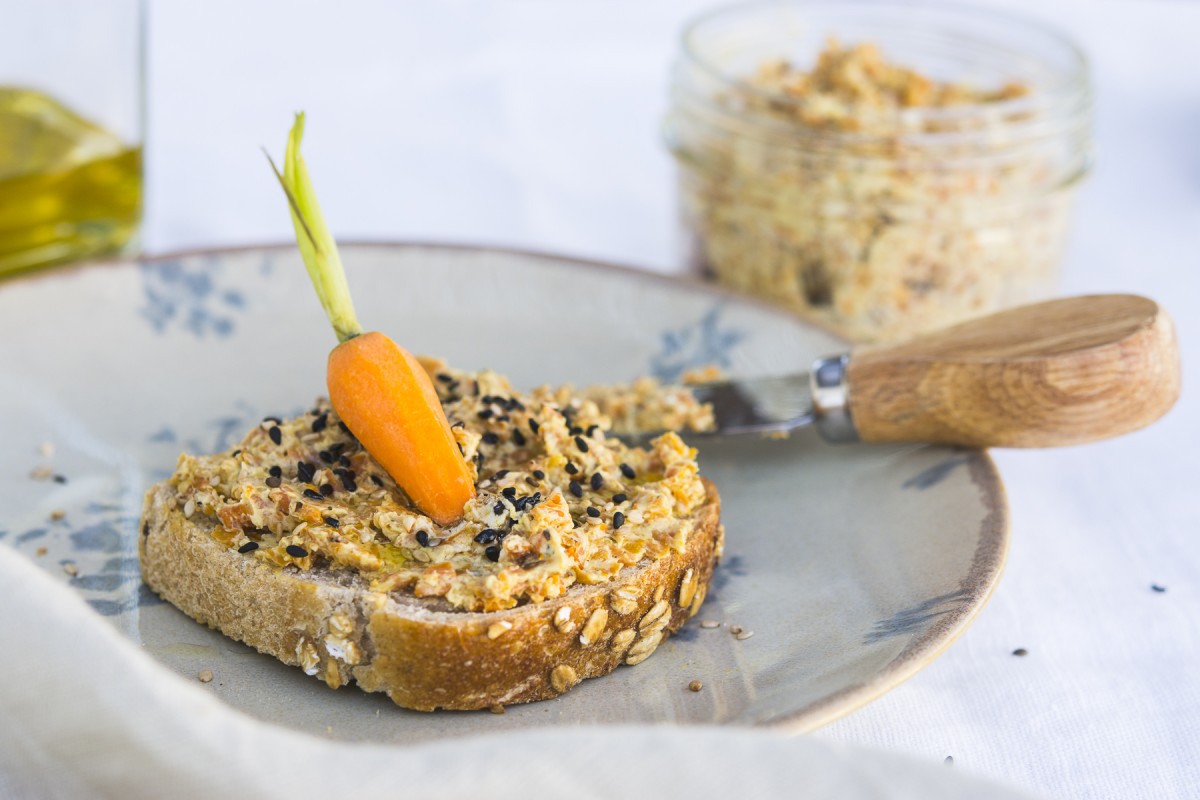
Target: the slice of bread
pixel 424 654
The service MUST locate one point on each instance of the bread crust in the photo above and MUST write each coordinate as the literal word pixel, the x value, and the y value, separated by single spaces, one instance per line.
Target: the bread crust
pixel 421 653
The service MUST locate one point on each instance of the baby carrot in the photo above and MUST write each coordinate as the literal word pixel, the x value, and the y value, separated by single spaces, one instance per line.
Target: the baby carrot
pixel 377 388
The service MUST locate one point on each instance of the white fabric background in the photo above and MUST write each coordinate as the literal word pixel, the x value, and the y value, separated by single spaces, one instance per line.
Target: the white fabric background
pixel 536 124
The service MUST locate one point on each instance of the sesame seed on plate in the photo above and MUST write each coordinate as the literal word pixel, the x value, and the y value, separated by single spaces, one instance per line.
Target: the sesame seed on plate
pixel 709 624
pixel 695 686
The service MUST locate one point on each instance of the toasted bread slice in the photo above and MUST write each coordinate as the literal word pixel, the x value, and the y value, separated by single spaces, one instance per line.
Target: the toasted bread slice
pixel 424 654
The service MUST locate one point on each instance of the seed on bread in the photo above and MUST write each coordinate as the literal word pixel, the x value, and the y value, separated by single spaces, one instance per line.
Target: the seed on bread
pixel 499 628
pixel 623 601
pixel 643 648
pixel 622 638
pixel 593 627
pixel 657 611
pixel 562 620
pixel 687 588
pixel 563 677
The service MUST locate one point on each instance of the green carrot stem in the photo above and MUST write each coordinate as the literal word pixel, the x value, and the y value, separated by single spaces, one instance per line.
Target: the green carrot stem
pixel 316 243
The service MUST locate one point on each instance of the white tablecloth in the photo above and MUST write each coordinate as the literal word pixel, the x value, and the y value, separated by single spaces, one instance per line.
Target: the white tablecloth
pixel 536 124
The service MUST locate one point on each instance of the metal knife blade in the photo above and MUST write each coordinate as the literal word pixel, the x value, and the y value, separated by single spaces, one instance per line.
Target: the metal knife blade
pixel 775 404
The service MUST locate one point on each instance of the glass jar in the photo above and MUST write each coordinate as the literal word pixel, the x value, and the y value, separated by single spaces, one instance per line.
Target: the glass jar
pixel 71 127
pixel 898 221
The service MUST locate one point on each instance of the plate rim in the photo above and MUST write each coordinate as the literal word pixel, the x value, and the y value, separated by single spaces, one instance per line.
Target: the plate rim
pixel 994 535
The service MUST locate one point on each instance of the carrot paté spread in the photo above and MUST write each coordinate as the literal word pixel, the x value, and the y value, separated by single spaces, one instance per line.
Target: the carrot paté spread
pixel 558 502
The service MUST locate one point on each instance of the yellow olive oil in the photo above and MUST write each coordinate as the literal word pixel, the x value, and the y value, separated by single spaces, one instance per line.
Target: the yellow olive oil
pixel 68 188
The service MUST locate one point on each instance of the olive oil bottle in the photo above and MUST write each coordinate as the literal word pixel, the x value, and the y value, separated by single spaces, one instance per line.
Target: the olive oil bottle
pixel 68 187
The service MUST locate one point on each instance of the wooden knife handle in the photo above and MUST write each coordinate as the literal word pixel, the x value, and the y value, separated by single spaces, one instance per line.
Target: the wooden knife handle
pixel 1056 373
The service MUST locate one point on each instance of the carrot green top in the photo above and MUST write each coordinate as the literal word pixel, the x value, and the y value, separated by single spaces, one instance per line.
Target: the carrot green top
pixel 317 246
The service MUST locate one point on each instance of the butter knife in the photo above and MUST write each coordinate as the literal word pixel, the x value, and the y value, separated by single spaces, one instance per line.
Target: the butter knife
pixel 1061 372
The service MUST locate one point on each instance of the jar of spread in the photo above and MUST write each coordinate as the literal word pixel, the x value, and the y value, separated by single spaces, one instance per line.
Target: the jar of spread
pixel 881 168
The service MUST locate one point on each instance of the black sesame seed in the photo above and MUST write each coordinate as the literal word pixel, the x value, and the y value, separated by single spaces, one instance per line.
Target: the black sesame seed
pixel 486 414
pixel 593 512
pixel 60 479
pixel 619 498
pixel 535 499
pixel 236 453
pixel 531 481
pixel 273 482
pixel 248 547
pixel 518 438
pixel 313 495
pixel 299 506
pixel 516 405
pixel 1020 651
pixel 332 522
pixel 509 492
pixel 320 422
pixel 478 461
pixel 541 476
pixel 276 420
pixel 275 471
pixel 618 520
pixel 572 469
pixel 342 425
pixel 533 426
pixel 444 378
pixel 491 438
pixel 378 481
pixel 486 536
pixel 597 481
pixel 423 538
pixel 275 434
pixel 1154 587
pixel 499 508
pixel 296 551
pixel 327 489
pixel 493 552
pixel 305 472
pixel 521 504
pixel 628 472
pixel 337 447
pixel 325 456
pixel 591 431
pixel 349 484
pixel 500 475
pixel 504 418
pixel 576 430
pixel 581 444
pixel 575 488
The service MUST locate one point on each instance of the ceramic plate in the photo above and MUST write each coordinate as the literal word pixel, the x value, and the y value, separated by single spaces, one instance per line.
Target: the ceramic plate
pixel 853 566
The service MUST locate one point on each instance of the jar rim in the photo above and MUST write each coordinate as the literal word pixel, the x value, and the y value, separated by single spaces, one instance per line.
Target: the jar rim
pixel 1066 97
